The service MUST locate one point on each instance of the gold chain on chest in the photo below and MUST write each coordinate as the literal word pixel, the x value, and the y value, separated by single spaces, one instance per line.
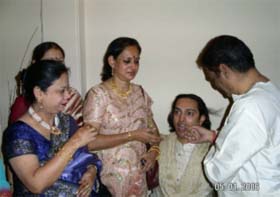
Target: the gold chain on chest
pixel 122 94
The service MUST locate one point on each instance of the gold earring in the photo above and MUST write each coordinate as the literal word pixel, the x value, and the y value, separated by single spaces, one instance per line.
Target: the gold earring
pixel 40 105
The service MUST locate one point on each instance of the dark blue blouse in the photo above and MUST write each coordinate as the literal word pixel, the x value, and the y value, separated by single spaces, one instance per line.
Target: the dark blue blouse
pixel 21 139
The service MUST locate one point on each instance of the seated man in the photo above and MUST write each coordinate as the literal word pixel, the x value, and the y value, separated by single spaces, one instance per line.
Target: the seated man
pixel 180 162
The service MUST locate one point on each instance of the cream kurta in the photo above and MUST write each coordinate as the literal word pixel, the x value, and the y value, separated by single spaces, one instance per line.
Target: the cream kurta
pixel 192 183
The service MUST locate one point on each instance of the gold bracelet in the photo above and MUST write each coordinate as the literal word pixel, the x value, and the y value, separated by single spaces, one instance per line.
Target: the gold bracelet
pixel 156 150
pixel 129 135
pixel 155 147
pixel 65 155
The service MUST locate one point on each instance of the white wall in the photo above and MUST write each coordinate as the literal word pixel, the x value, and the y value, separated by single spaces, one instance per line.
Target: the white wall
pixel 18 20
pixel 172 33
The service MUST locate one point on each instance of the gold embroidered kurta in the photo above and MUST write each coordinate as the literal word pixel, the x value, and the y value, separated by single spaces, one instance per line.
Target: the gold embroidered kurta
pixel 192 183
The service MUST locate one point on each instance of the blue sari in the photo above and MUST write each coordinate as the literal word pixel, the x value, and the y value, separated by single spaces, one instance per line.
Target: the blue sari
pixel 21 139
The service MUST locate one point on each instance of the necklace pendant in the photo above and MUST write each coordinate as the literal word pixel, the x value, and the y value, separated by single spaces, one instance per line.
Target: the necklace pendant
pixel 55 131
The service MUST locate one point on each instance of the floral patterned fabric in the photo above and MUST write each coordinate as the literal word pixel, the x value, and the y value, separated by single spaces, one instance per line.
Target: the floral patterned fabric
pixel 21 139
pixel 121 165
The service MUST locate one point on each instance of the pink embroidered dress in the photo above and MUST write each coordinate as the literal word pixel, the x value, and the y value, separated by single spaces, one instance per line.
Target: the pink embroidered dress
pixel 121 171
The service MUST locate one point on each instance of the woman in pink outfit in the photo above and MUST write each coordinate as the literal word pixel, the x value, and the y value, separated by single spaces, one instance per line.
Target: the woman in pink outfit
pixel 121 113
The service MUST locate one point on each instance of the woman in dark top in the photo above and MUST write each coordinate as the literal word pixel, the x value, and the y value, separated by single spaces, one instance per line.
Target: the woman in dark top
pixel 44 149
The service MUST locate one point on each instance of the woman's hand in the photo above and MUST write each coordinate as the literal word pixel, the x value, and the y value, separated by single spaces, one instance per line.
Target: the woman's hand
pixel 87 182
pixel 146 135
pixel 148 160
pixel 84 135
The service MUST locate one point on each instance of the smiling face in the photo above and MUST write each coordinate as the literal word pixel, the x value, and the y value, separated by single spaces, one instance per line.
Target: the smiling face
pixel 186 115
pixel 126 65
pixel 54 99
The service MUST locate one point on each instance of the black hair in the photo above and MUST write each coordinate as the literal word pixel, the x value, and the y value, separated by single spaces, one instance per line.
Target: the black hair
pixel 226 49
pixel 202 108
pixel 40 50
pixel 114 49
pixel 42 74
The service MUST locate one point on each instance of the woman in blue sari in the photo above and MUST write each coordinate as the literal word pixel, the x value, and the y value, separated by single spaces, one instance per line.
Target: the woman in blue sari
pixel 44 148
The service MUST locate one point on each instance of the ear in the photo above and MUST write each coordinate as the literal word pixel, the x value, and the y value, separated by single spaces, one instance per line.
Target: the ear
pixel 111 61
pixel 224 70
pixel 202 119
pixel 38 93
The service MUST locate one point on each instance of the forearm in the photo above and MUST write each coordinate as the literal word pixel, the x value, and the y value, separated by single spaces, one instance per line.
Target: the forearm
pixel 154 152
pixel 37 179
pixel 58 163
pixel 92 170
pixel 110 141
pixel 152 124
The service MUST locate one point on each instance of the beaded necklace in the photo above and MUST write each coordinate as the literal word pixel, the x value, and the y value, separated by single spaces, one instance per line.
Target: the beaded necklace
pixel 122 94
pixel 54 130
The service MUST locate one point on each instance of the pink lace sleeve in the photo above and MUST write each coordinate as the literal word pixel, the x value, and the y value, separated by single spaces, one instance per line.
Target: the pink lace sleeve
pixel 94 106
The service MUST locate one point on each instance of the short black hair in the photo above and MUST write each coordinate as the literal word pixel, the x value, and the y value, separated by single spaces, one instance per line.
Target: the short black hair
pixel 202 108
pixel 42 74
pixel 229 50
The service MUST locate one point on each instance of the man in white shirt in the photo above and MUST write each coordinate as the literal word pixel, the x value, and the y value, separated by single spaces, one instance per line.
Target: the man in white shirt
pixel 245 160
pixel 180 162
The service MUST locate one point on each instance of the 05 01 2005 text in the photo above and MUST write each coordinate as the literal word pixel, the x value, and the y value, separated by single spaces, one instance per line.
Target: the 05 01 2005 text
pixel 234 187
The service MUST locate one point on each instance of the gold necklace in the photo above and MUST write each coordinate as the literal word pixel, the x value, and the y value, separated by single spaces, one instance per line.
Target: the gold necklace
pixel 123 94
pixel 54 130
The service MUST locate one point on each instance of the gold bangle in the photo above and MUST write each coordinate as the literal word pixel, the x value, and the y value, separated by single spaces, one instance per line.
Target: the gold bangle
pixel 155 147
pixel 65 155
pixel 158 151
pixel 129 135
